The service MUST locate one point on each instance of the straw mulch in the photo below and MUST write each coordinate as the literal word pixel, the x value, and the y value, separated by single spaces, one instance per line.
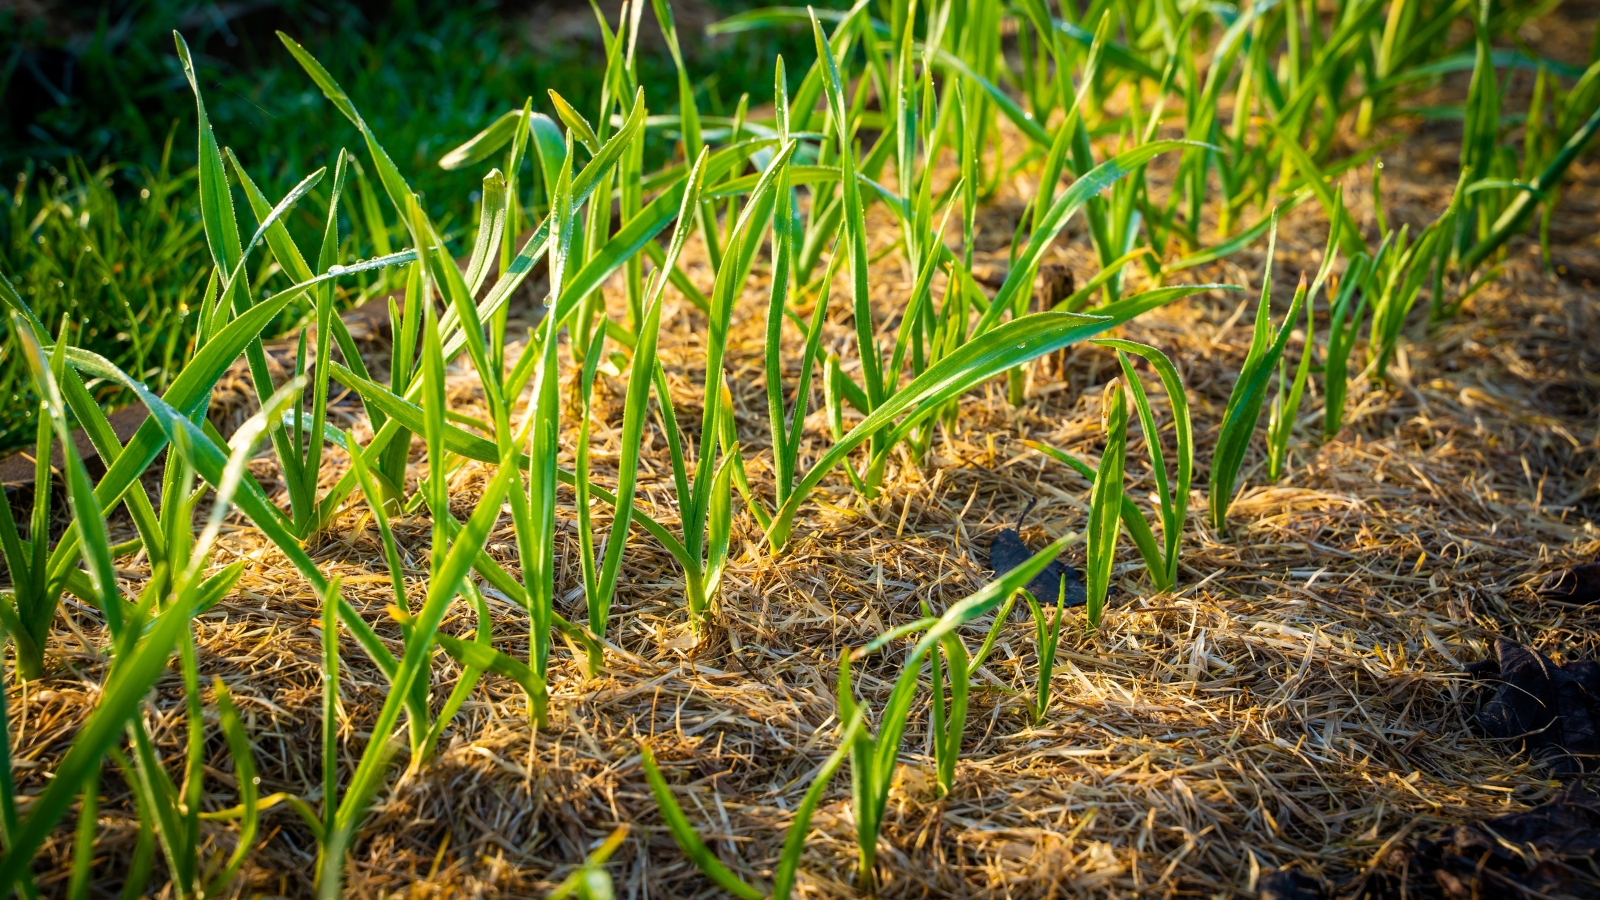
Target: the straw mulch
pixel 1298 700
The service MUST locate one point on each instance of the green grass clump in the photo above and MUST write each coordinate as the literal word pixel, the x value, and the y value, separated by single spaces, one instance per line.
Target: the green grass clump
pixel 1172 491
pixel 1105 503
pixel 1286 404
pixel 101 223
pixel 124 272
pixel 144 631
pixel 1046 637
pixel 1249 391
pixel 873 757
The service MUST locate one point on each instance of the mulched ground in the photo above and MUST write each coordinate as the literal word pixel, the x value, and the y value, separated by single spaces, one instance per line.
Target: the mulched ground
pixel 1301 699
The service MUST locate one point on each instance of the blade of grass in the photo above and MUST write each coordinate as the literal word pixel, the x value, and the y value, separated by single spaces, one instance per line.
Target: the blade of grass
pixel 684 834
pixel 1105 507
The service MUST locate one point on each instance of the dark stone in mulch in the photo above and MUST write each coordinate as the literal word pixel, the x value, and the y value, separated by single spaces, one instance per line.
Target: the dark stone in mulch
pixel 1579 584
pixel 1553 710
pixel 1007 551
pixel 1548 851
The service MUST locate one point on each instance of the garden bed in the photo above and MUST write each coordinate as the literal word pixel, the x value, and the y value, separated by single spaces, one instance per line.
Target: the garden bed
pixel 1300 700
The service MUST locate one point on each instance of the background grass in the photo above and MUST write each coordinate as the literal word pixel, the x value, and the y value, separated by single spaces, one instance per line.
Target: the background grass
pixel 97 135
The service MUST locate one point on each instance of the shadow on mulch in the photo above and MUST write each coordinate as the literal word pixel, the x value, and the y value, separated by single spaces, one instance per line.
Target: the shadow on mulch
pixel 1552 712
pixel 1578 584
pixel 1548 851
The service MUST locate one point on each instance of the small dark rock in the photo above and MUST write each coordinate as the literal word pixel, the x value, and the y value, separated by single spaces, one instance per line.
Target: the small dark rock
pixel 1007 551
pixel 1290 884
pixel 1578 584
pixel 1554 710
pixel 1547 851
